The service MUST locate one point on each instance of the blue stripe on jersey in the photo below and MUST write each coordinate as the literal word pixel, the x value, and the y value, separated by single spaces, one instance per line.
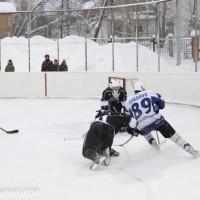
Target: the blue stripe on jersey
pixel 152 126
pixel 159 102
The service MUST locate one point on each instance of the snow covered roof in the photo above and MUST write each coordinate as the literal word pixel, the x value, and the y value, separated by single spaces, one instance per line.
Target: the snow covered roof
pixel 7 7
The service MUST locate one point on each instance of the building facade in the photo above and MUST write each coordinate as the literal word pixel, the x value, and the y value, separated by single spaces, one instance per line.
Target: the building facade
pixel 6 19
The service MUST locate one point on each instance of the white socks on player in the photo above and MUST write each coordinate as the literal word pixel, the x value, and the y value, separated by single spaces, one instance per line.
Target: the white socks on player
pixel 184 145
pixel 151 140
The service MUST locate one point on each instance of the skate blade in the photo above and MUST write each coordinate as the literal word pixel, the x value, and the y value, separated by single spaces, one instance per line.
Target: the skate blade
pixel 96 164
pixel 107 161
pixel 195 154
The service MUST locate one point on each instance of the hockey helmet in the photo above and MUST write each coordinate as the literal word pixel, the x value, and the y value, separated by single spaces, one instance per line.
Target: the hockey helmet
pixel 139 86
pixel 115 84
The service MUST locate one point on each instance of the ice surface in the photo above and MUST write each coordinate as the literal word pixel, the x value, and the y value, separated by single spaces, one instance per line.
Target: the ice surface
pixel 39 157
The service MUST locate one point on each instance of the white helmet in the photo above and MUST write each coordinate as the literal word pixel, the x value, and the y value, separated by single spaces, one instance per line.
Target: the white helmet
pixel 115 86
pixel 139 86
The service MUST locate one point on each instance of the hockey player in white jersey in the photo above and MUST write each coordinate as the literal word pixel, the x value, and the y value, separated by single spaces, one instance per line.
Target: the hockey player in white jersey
pixel 144 106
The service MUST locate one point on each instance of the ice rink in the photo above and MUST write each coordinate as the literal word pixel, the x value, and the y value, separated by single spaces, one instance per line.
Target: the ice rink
pixel 39 159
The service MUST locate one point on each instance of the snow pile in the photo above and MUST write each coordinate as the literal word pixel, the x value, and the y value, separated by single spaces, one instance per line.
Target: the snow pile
pixel 7 7
pixel 72 48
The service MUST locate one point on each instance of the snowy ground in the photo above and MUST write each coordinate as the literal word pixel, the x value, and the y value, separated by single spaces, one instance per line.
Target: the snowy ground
pixel 72 48
pixel 38 158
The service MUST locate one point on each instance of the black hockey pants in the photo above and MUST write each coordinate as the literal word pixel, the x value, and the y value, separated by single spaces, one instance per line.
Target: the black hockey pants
pixel 166 130
pixel 99 137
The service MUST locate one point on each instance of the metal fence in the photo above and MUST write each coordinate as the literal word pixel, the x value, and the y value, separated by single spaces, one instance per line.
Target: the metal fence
pixel 84 48
pixel 168 48
pixel 120 24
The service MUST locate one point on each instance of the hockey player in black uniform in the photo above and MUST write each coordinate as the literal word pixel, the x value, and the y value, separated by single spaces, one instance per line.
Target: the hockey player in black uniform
pixel 114 97
pixel 99 138
pixel 113 100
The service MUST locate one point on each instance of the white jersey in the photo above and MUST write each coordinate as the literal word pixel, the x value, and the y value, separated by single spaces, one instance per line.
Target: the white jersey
pixel 143 107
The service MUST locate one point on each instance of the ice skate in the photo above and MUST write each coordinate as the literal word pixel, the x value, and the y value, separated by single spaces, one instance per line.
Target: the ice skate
pixel 108 159
pixel 98 160
pixel 113 153
pixel 189 149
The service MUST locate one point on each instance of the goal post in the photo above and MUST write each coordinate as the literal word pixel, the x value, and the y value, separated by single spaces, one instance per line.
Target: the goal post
pixel 126 83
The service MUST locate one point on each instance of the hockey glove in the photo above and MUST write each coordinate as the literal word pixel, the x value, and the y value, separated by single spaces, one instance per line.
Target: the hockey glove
pixel 112 99
pixel 156 108
pixel 132 131
pixel 100 113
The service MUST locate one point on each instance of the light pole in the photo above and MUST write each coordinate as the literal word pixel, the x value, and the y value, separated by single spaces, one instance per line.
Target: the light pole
pixel 113 37
pixel 196 44
pixel 178 39
pixel 29 34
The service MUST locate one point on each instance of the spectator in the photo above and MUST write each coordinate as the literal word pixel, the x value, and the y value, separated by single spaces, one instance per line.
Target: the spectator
pixel 47 64
pixel 10 67
pixel 63 66
pixel 55 65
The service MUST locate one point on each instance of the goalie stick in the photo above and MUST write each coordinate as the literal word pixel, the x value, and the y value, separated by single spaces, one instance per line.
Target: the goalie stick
pixel 10 132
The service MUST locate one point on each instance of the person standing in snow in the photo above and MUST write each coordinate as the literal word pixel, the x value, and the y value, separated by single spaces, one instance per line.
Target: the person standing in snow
pixel 63 66
pixel 54 67
pixel 99 138
pixel 47 64
pixel 10 67
pixel 144 106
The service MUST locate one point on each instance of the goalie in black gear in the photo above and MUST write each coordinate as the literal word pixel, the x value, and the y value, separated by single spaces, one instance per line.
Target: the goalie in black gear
pixel 100 136
pixel 114 97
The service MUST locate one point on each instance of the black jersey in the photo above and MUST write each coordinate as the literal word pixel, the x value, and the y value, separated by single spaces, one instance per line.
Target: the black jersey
pixel 117 103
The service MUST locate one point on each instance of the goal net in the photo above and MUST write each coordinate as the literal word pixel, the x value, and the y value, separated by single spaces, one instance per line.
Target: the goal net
pixel 126 83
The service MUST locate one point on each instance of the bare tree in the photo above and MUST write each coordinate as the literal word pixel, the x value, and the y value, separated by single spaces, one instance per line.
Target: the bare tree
pixel 97 28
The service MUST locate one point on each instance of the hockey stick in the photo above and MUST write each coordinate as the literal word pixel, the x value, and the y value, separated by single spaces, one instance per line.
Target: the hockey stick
pixel 71 138
pixel 74 138
pixel 158 139
pixel 9 132
pixel 125 141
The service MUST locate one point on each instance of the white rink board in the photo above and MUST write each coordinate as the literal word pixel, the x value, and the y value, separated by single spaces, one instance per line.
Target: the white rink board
pixel 175 87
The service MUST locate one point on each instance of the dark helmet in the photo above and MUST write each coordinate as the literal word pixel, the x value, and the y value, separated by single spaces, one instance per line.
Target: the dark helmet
pixel 46 56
